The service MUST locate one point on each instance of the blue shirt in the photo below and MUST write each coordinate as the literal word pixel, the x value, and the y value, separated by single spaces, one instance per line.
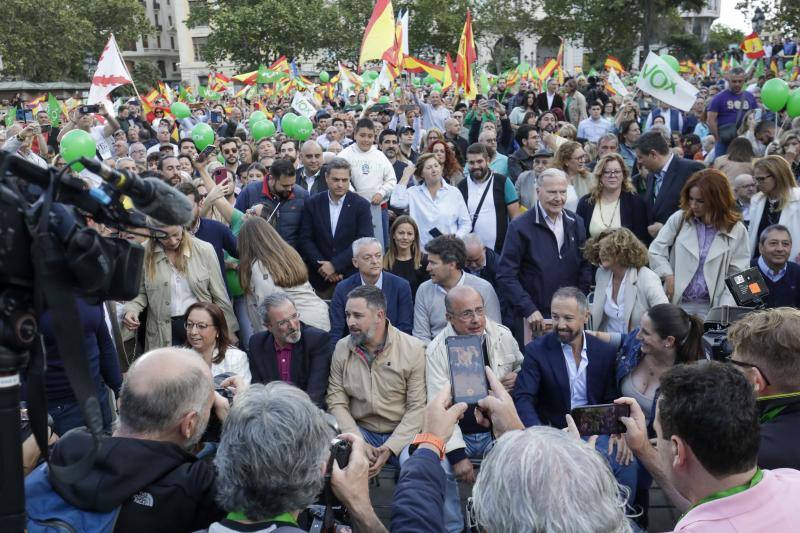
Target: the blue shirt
pixel 768 272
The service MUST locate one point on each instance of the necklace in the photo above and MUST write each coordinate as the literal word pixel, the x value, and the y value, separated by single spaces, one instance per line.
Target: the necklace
pixel 613 212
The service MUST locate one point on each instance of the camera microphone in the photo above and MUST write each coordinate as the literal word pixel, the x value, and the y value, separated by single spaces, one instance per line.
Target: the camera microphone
pixel 151 196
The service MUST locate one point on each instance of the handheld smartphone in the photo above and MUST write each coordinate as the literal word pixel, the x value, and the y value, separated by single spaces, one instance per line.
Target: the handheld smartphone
pixel 603 419
pixel 88 109
pixel 46 128
pixel 219 175
pixel 215 117
pixel 24 115
pixel 467 374
pixel 206 153
pixel 492 102
pixel 434 232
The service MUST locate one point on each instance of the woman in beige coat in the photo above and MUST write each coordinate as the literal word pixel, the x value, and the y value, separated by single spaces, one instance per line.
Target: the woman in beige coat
pixel 701 245
pixel 179 270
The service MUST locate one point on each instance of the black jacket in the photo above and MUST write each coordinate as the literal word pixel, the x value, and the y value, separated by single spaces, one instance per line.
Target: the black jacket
pixel 319 182
pixel 284 215
pixel 780 435
pixel 632 214
pixel 160 487
pixel 661 207
pixel 311 361
pixel 541 102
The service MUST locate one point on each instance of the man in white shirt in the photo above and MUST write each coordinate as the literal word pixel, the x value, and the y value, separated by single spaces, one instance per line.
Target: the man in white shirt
pixel 82 118
pixel 434 113
pixel 595 126
pixel 164 138
pixel 19 139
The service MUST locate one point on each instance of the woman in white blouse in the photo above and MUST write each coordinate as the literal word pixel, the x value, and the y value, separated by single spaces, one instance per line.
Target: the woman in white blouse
pixel 624 287
pixel 437 208
pixel 207 334
pixel 268 264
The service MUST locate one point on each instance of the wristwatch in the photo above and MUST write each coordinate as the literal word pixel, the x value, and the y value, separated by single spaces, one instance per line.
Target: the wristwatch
pixel 427 438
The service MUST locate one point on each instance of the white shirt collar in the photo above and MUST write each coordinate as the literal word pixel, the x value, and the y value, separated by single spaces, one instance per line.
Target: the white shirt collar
pixel 378 284
pixel 330 200
pixel 669 160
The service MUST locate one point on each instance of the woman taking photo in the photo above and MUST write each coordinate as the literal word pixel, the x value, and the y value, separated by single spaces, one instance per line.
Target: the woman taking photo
pixel 701 245
pixel 624 287
pixel 438 208
pixel 788 146
pixel 179 270
pixel 207 334
pixel 776 202
pixel 571 158
pixel 267 264
pixel 613 203
pixel 629 133
pixel 404 254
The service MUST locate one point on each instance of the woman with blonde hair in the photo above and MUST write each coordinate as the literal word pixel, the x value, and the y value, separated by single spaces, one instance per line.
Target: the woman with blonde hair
pixel 571 158
pixel 624 287
pixel 179 270
pixel 701 245
pixel 613 203
pixel 268 264
pixel 404 254
pixel 776 202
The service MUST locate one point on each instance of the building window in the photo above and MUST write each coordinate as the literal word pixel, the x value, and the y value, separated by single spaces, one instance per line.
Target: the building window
pixel 174 67
pixel 169 21
pixel 162 68
pixel 171 42
pixel 199 45
pixel 157 24
pixel 158 41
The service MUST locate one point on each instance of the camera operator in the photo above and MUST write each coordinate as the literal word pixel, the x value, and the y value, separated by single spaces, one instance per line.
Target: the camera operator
pixel 146 473
pixel 707 456
pixel 272 459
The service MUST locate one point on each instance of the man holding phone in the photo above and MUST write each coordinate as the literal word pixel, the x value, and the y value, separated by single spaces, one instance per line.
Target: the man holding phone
pixel 82 118
pixel 19 138
pixel 466 315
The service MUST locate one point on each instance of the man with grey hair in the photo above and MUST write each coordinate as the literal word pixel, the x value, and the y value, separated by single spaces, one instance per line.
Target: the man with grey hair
pixel 272 460
pixel 481 260
pixel 368 260
pixel 377 382
pixel 19 139
pixel 126 163
pixel 290 350
pixel 466 315
pixel 145 474
pixel 744 187
pixel 542 252
pixel 138 153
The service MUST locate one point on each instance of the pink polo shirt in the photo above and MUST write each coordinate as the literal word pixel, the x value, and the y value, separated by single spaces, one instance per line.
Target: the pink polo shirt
pixel 773 505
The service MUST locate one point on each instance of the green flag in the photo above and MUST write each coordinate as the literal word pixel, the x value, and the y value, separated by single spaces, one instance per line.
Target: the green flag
pixel 53 110
pixel 11 116
pixel 182 94
pixel 202 91
pixel 760 68
pixel 264 75
pixel 592 72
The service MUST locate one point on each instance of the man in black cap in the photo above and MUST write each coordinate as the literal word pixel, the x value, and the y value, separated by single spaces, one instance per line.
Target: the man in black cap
pixel 407 152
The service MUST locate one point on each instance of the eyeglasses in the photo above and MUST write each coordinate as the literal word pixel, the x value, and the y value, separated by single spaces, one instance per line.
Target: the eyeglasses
pixel 230 151
pixel 742 364
pixel 762 179
pixel 612 173
pixel 286 321
pixel 470 314
pixel 199 325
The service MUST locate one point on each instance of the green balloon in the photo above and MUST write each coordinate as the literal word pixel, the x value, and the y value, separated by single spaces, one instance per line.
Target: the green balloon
pixel 383 99
pixel 398 91
pixel 288 123
pixel 303 128
pixel 671 61
pixel 324 77
pixel 255 117
pixel 203 136
pixel 416 82
pixel 221 158
pixel 793 104
pixel 429 80
pixel 371 75
pixel 75 144
pixel 262 129
pixel 437 87
pixel 774 94
pixel 789 65
pixel 180 110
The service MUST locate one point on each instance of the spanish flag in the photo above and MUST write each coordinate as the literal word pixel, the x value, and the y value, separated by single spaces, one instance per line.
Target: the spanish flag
pixel 548 69
pixel 449 73
pixel 379 35
pixel 464 60
pixel 613 62
pixel 280 65
pixel 560 61
pixel 752 46
pixel 412 64
pixel 247 78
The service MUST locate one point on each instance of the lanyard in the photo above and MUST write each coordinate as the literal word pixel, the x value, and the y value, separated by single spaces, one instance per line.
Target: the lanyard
pixel 283 517
pixel 774 412
pixel 759 475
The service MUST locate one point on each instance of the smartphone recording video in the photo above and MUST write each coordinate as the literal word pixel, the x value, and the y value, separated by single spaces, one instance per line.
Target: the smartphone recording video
pixel 467 373
pixel 601 419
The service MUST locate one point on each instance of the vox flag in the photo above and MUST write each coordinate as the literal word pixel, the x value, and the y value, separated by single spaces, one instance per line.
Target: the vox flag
pixel 659 80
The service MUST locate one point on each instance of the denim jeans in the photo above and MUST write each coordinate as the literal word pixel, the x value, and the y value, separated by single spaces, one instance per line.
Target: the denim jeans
pixel 626 475
pixel 379 439
pixel 68 415
pixel 477 443
pixel 245 327
pixel 720 149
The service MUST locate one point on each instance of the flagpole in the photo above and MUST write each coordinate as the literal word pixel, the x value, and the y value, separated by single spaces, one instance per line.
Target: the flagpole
pixel 125 66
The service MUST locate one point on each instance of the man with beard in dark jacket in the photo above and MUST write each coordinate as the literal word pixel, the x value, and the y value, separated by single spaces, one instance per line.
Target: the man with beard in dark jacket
pixel 145 473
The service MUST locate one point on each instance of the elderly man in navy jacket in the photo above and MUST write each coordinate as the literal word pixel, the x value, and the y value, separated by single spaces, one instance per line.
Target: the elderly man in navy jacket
pixel 565 369
pixel 368 259
pixel 542 252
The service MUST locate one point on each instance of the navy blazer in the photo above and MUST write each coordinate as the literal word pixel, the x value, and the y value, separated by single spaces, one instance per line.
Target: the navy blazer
pixel 542 394
pixel 318 243
pixel 399 305
pixel 669 196
pixel 310 365
pixel 632 214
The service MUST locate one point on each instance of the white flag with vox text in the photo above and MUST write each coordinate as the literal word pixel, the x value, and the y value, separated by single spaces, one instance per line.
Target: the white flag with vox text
pixel 659 80
pixel 111 72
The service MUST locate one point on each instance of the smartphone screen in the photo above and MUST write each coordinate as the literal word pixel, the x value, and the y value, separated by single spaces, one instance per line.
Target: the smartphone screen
pixel 24 115
pixel 492 103
pixel 467 374
pixel 215 117
pixel 434 232
pixel 207 151
pixel 46 128
pixel 601 419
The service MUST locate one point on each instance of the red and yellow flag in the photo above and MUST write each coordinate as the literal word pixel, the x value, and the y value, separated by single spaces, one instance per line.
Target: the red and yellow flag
pixel 613 62
pixel 394 55
pixel 280 65
pixel 379 35
pixel 548 69
pixel 449 77
pixel 752 46
pixel 248 78
pixel 417 66
pixel 464 60
pixel 560 61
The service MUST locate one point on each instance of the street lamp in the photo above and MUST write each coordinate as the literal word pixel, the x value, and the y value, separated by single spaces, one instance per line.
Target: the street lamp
pixel 758 20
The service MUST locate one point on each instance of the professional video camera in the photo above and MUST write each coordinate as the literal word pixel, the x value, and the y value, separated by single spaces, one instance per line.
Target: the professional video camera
pixel 749 290
pixel 47 258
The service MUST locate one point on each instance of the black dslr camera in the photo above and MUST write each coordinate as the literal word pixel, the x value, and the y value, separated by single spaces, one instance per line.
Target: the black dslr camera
pixel 328 515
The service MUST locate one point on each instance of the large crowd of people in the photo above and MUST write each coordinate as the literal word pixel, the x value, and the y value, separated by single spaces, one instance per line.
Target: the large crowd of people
pixel 583 236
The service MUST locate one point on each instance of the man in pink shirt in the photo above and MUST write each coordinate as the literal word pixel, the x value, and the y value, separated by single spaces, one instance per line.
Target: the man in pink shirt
pixel 707 428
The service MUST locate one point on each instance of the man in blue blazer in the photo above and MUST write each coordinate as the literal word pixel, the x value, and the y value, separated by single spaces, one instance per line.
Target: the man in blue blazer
pixel 332 220
pixel 368 259
pixel 290 351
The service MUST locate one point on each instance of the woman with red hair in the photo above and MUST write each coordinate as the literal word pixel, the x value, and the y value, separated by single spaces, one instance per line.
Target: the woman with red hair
pixel 451 170
pixel 701 245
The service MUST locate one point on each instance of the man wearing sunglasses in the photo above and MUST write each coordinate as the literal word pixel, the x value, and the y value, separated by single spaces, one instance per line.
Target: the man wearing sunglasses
pixel 230 152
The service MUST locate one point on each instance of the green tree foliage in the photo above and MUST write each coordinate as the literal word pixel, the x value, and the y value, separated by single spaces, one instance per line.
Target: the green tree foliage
pixel 47 40
pixel 145 74
pixel 781 15
pixel 721 36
